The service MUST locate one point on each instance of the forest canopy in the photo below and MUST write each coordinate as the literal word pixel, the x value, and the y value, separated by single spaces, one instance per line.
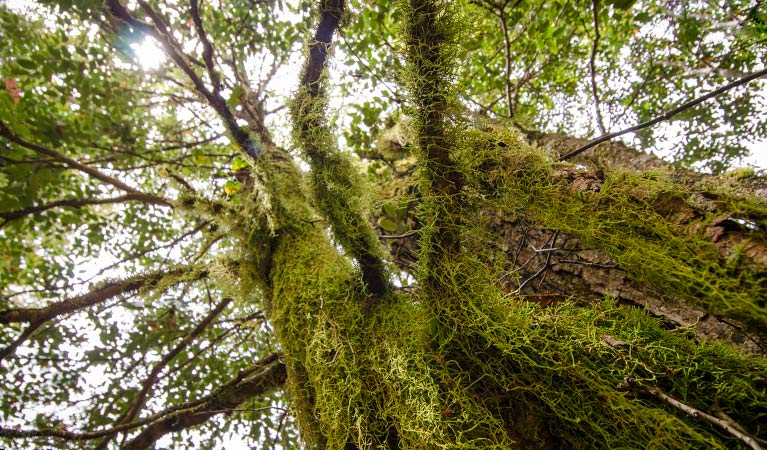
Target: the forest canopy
pixel 357 224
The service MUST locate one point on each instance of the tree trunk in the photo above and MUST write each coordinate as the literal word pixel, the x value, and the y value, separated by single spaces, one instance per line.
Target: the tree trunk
pixel 536 339
pixel 549 266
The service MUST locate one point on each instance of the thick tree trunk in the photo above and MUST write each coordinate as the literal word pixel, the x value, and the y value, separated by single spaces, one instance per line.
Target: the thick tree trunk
pixel 462 360
pixel 549 266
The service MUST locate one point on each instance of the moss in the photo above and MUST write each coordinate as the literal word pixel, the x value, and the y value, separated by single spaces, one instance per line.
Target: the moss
pixel 479 370
pixel 626 219
pixel 461 366
pixel 742 173
pixel 335 182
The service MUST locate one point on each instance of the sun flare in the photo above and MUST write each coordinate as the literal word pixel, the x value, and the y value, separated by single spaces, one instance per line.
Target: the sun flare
pixel 149 53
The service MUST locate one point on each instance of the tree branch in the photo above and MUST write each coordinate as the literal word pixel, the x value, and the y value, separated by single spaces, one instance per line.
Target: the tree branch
pixel 328 167
pixel 727 425
pixel 105 292
pixel 79 203
pixel 37 316
pixel 269 375
pixel 665 116
pixel 72 164
pixel 258 379
pixel 207 48
pixel 151 379
pixel 592 67
pixel 160 32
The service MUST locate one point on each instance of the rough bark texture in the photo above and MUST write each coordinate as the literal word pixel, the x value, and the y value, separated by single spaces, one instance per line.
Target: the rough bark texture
pixel 554 266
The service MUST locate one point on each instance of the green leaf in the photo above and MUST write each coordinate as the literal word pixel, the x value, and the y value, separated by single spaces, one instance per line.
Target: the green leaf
pixel 390 210
pixel 236 97
pixel 386 224
pixel 232 187
pixel 238 164
pixel 27 64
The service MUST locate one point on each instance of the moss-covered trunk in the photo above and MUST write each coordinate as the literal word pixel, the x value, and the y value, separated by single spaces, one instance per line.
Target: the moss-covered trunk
pixel 465 359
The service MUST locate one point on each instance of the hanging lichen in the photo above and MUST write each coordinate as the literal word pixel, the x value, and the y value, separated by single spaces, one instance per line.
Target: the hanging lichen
pixel 459 364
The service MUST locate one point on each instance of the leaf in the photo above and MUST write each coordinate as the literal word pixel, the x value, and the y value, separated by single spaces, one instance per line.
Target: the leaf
pixel 387 224
pixel 238 164
pixel 623 5
pixel 232 187
pixel 390 210
pixel 27 64
pixel 236 97
pixel 198 156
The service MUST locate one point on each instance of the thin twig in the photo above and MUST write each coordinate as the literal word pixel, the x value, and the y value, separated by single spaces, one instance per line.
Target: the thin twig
pixel 399 236
pixel 665 116
pixel 544 267
pixel 72 164
pixel 138 401
pixel 592 67
pixel 733 428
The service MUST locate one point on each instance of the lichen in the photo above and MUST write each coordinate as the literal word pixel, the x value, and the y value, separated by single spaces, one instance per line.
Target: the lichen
pixel 458 364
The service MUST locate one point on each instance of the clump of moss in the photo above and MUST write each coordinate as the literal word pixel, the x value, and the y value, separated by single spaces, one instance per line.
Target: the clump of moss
pixel 476 369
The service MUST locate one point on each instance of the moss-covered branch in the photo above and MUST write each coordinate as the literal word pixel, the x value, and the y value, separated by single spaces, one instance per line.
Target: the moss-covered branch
pixel 430 34
pixel 335 182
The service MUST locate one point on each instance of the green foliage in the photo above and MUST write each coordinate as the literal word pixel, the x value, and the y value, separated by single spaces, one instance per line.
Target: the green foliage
pixel 694 48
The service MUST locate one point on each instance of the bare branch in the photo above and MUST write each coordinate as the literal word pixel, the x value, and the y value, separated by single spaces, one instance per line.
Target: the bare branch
pixel 258 379
pixel 72 164
pixel 733 428
pixel 79 203
pixel 270 375
pixel 160 31
pixel 207 48
pixel 38 316
pixel 592 66
pixel 665 116
pixel 151 379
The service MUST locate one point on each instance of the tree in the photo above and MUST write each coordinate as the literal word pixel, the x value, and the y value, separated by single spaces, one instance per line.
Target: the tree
pixel 174 268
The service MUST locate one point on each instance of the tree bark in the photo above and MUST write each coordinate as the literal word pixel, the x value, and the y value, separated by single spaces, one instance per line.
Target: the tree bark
pixel 549 266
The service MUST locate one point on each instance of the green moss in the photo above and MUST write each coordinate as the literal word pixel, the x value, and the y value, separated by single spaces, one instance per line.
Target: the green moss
pixel 626 219
pixel 479 370
pixel 336 184
pixel 742 173
pixel 461 366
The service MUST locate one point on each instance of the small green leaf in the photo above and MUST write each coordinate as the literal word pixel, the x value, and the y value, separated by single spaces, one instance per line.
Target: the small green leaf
pixel 238 164
pixel 236 97
pixel 387 224
pixel 27 64
pixel 389 210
